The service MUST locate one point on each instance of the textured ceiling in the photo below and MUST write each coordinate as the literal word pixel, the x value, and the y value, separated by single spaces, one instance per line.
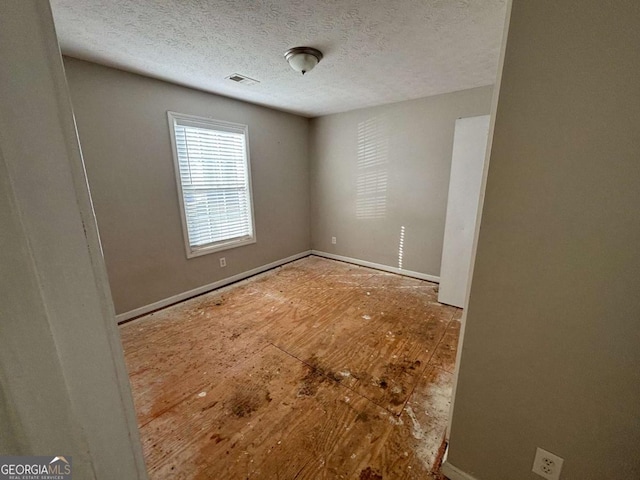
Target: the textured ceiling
pixel 375 52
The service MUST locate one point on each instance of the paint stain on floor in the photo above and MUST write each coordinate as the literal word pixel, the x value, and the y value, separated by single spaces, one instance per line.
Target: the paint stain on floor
pixel 315 370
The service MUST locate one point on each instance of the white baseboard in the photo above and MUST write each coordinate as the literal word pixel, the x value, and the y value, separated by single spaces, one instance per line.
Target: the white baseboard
pixel 123 317
pixel 206 288
pixel 454 473
pixel 378 266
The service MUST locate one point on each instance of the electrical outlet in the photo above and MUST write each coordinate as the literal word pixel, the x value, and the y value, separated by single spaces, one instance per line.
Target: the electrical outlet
pixel 333 240
pixel 547 465
pixel 223 262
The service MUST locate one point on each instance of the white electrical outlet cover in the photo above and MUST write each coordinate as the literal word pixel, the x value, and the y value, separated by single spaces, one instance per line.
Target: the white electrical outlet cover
pixel 547 465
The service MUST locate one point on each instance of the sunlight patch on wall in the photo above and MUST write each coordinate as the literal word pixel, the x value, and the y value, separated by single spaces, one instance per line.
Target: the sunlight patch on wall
pixel 401 247
pixel 373 152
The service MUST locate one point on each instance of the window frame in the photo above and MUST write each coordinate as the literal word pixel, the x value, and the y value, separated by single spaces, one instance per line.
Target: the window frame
pixel 213 124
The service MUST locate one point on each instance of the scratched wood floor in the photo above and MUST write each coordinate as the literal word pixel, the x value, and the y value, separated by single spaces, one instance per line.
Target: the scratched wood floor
pixel 315 370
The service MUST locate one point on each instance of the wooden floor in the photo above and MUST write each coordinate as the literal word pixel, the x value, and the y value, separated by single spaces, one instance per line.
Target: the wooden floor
pixel 315 370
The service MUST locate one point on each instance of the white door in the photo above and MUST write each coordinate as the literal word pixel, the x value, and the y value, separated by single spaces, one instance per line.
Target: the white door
pixel 467 165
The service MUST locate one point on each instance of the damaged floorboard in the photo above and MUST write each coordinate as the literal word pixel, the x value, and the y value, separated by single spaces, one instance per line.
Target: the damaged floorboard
pixel 315 370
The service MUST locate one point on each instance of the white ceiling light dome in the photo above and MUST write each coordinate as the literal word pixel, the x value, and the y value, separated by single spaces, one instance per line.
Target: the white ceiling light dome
pixel 303 59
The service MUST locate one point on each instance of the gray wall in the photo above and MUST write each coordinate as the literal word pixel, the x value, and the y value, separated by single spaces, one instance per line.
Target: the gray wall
pixel 123 129
pixel 551 353
pixel 378 169
pixel 64 385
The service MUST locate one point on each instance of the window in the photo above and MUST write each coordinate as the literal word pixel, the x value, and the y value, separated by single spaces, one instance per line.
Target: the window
pixel 213 176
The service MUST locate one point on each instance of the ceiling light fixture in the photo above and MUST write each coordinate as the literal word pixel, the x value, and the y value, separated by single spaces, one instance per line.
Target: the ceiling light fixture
pixel 303 59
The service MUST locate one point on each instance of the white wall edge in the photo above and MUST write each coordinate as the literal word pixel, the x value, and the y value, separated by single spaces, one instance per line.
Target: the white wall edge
pixel 454 473
pixel 123 317
pixel 378 266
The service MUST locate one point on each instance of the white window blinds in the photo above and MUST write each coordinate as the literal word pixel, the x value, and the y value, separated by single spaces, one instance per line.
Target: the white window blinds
pixel 213 168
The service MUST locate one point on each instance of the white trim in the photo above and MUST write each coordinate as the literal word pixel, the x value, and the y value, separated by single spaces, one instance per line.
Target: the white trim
pixel 377 266
pixel 454 473
pixel 195 251
pixel 206 288
pixel 123 317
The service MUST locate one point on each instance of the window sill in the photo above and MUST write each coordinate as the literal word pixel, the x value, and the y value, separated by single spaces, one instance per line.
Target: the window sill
pixel 219 247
